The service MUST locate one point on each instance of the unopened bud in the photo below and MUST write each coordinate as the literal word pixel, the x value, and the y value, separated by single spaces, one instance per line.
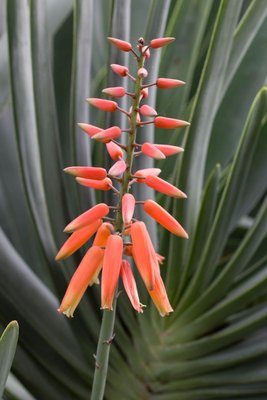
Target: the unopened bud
pixel 142 73
pixel 105 105
pixel 169 123
pixel 119 69
pixel 166 83
pixel 117 91
pixel 160 42
pixel 120 44
pixel 147 111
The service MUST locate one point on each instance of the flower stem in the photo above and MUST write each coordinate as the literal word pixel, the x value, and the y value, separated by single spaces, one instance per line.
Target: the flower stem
pixel 108 318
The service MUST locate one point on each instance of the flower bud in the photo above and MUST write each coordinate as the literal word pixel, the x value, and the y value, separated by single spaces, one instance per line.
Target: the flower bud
pixel 151 151
pixel 166 83
pixel 162 186
pixel 147 111
pixel 91 130
pixel 142 73
pixel 87 172
pixel 108 134
pixel 128 205
pixel 120 44
pixel 117 91
pixel 143 173
pixel 160 42
pixel 144 93
pixel 146 53
pixel 169 123
pixel 88 217
pixel 169 150
pixel 119 69
pixel 114 151
pixel 104 184
pixel 164 218
pixel 102 104
pixel 118 168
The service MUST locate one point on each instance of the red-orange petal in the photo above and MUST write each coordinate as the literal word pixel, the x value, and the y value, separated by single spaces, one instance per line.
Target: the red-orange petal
pixel 147 111
pixel 103 233
pixel 169 123
pixel 102 104
pixel 151 151
pixel 160 297
pixel 107 135
pixel 160 42
pixel 114 151
pixel 118 168
pixel 77 240
pixel 169 150
pixel 115 91
pixel 91 130
pixel 130 285
pixel 111 270
pixel 88 217
pixel 142 173
pixel 128 205
pixel 81 279
pixel 119 69
pixel 87 172
pixel 162 186
pixel 167 83
pixel 103 184
pixel 120 44
pixel 164 218
pixel 143 255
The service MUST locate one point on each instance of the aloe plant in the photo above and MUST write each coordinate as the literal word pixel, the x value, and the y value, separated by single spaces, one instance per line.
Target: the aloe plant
pixel 53 56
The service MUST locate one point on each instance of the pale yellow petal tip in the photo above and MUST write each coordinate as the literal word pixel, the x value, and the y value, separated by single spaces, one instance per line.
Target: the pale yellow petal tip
pixel 106 307
pixel 68 312
pixel 166 313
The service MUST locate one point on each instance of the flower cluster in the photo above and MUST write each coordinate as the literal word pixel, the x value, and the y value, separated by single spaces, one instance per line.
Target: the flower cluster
pixel 120 237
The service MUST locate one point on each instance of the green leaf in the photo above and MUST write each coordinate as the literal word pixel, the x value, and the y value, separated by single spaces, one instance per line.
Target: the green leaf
pixel 191 173
pixel 231 199
pixel 8 344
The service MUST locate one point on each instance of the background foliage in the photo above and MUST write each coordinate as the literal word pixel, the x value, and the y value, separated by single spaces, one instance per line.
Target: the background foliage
pixel 54 54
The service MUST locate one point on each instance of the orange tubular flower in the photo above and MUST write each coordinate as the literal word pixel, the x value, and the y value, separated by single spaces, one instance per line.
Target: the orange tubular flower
pixel 91 130
pixel 114 151
pixel 151 151
pixel 166 83
pixel 77 240
pixel 162 186
pixel 144 254
pixel 103 184
pixel 88 217
pixel 160 42
pixel 117 91
pixel 169 123
pixel 121 44
pixel 111 270
pixel 102 235
pixel 128 204
pixel 84 275
pixel 160 297
pixel 87 172
pixel 130 285
pixel 164 218
pixel 105 105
